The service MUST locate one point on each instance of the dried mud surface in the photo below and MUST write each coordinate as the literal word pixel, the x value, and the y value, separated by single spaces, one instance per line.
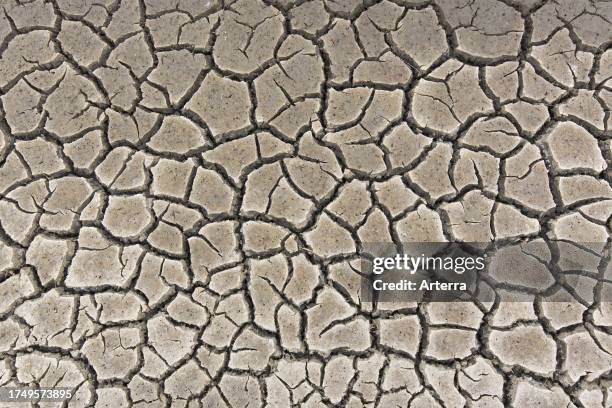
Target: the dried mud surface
pixel 185 187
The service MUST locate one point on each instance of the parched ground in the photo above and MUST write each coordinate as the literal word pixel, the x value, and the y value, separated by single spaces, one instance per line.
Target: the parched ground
pixel 186 186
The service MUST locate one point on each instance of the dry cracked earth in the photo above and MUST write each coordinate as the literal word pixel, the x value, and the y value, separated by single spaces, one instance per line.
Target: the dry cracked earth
pixel 186 186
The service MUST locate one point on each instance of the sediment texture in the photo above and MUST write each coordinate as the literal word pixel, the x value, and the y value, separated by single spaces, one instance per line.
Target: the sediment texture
pixel 185 187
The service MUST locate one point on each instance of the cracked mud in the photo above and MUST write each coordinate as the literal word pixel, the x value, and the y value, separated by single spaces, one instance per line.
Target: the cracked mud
pixel 186 186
